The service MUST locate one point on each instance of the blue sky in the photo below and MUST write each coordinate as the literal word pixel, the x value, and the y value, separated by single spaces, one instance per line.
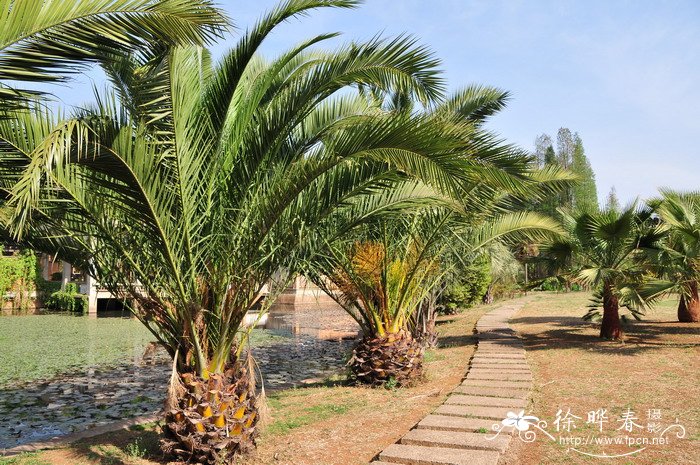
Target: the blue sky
pixel 624 74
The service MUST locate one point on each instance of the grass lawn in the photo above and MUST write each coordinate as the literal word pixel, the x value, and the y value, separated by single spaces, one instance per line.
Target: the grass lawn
pixel 327 424
pixel 656 367
pixel 36 347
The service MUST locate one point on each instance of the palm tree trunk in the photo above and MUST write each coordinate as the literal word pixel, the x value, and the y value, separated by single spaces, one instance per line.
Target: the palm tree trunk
pixel 488 297
pixel 214 420
pixel 689 306
pixel 610 328
pixel 394 358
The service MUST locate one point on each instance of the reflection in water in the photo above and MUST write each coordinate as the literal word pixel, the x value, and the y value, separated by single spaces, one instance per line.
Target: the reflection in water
pixel 322 320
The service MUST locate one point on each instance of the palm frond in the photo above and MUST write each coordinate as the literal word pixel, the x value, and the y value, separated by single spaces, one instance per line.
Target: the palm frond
pixel 47 40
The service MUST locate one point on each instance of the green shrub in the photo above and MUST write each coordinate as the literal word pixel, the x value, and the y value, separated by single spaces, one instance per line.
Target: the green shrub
pixel 505 290
pixel 18 278
pixel 466 288
pixel 551 284
pixel 135 449
pixel 69 300
pixel 46 288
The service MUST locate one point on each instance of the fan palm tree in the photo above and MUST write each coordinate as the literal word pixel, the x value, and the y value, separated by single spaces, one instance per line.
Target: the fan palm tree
pixel 605 249
pixel 677 256
pixel 195 186
pixel 47 40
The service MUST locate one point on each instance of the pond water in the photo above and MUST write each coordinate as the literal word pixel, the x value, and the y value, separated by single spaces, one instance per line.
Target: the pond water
pixel 107 378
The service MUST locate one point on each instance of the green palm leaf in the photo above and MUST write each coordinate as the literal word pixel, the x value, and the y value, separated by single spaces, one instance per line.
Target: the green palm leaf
pixel 45 40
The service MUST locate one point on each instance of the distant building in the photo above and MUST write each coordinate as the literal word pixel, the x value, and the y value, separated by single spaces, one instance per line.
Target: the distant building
pixel 299 291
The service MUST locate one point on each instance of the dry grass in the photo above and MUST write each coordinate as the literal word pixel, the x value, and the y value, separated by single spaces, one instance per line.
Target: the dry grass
pixel 327 424
pixel 656 367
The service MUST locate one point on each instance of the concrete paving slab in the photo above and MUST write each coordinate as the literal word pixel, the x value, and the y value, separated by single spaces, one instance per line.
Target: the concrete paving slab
pixel 456 440
pixel 488 413
pixel 464 399
pixel 478 358
pixel 497 383
pixel 452 423
pixel 422 455
pixel 480 366
pixel 500 376
pixel 493 391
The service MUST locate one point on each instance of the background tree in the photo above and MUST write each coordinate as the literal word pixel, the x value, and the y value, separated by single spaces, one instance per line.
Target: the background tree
pixel 612 202
pixel 565 147
pixel 581 195
pixel 603 250
pixel 543 143
pixel 466 286
pixel 584 192
pixel 570 155
pixel 505 271
pixel 550 203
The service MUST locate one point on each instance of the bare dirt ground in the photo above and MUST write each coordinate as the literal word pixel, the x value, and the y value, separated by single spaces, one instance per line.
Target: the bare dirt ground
pixel 655 371
pixel 317 425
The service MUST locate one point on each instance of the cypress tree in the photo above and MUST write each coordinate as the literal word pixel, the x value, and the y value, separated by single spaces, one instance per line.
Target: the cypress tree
pixel 585 193
pixel 612 202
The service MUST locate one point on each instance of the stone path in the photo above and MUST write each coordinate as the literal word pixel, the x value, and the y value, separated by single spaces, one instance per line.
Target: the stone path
pixel 498 382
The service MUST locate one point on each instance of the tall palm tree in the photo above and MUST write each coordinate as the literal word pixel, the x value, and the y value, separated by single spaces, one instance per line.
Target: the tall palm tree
pixel 604 248
pixel 47 40
pixel 190 191
pixel 677 256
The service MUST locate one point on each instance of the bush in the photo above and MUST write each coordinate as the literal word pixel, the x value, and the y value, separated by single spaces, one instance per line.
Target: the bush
pixel 18 277
pixel 69 300
pixel 466 288
pixel 505 290
pixel 551 284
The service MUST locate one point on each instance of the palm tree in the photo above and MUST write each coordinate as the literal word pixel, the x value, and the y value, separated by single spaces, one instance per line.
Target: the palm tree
pixel 604 249
pixel 380 276
pixel 383 272
pixel 677 256
pixel 47 40
pixel 190 191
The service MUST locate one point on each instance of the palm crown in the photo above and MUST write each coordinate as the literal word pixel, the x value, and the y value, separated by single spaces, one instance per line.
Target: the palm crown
pixel 46 40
